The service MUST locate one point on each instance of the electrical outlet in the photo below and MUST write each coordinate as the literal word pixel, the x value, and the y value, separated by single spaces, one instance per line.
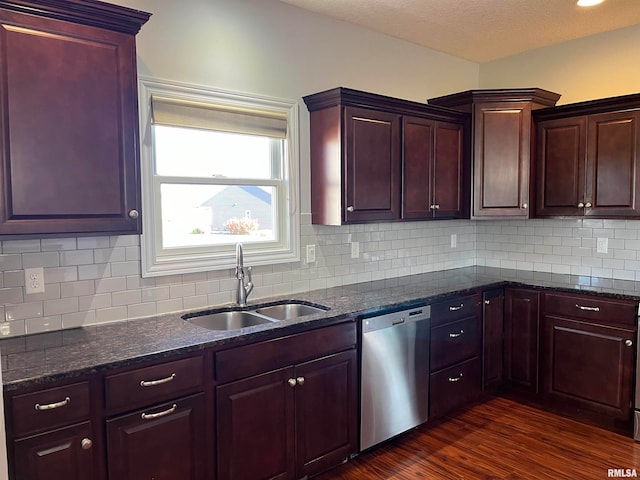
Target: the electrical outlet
pixel 454 240
pixel 602 245
pixel 33 280
pixel 355 249
pixel 311 253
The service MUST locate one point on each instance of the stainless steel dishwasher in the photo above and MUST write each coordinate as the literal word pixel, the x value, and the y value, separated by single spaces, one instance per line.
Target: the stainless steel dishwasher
pixel 395 374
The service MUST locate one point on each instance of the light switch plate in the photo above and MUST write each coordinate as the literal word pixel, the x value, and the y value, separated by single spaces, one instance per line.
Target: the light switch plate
pixel 311 253
pixel 602 245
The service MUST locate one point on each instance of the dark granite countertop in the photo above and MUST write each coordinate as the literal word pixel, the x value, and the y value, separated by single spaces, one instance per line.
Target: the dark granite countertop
pixel 41 358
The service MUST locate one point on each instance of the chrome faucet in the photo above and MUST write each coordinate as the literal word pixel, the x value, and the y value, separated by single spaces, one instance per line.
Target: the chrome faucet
pixel 243 289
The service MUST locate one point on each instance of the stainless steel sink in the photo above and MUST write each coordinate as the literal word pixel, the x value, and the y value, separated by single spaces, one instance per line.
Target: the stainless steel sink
pixel 233 320
pixel 237 319
pixel 286 311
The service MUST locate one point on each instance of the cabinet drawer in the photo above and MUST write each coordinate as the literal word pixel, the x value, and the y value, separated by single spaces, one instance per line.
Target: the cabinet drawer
pixel 153 384
pixel 454 342
pixel 454 387
pixel 591 307
pixel 261 357
pixel 53 407
pixel 454 309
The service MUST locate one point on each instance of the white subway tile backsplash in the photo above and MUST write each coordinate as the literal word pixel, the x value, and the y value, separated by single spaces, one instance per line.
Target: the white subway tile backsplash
pixel 106 255
pixel 61 305
pixel 44 324
pixel 22 311
pixel 98 270
pixel 46 259
pixel 85 243
pixel 93 280
pixel 113 284
pixel 58 244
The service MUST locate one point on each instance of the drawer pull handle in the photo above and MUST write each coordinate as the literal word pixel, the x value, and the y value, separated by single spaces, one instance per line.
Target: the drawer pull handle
pixel 456 308
pixel 455 379
pixel 151 416
pixel 588 309
pixel 456 335
pixel 153 383
pixel 51 406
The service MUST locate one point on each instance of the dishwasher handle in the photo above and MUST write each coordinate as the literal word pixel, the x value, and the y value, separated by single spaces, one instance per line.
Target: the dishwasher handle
pixel 396 319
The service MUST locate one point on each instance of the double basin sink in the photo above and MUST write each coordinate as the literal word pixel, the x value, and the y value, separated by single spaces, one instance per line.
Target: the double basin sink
pixel 235 319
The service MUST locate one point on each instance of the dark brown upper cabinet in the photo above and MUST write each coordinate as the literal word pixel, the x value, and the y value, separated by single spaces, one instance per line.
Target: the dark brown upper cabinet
pixel 68 118
pixel 587 157
pixel 501 145
pixel 376 158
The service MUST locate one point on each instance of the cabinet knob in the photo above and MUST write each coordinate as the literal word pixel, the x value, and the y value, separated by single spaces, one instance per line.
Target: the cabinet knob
pixel 436 207
pixel 134 214
pixel 350 208
pixel 588 205
pixel 525 206
pixel 628 343
pixel 487 302
pixel 581 205
pixel 86 444
pixel 292 382
pixel 300 380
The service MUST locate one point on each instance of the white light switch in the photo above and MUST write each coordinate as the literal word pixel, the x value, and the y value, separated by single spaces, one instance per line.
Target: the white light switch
pixel 311 253
pixel 355 249
pixel 602 245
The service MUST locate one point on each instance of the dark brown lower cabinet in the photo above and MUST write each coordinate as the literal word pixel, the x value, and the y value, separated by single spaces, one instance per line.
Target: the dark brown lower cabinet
pixel 522 308
pixel 588 366
pixel 290 422
pixel 492 338
pixel 164 442
pixel 62 453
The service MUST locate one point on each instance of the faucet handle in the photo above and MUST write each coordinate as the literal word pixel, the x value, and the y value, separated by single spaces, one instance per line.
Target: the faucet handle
pixel 249 285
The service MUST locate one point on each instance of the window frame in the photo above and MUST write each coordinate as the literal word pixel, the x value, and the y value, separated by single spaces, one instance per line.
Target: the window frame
pixel 155 261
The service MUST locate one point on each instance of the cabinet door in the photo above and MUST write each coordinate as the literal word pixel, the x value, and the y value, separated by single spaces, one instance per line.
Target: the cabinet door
pixel 417 172
pixel 522 308
pixel 255 427
pixel 60 454
pixel 588 365
pixel 613 179
pixel 372 164
pixel 492 338
pixel 68 113
pixel 165 442
pixel 560 156
pixel 448 170
pixel 501 159
pixel 326 412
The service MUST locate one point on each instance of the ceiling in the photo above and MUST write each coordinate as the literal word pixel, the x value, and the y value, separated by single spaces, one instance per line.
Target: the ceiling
pixel 480 31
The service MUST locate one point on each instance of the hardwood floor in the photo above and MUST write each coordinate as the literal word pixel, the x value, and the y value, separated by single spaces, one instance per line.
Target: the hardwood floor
pixel 498 439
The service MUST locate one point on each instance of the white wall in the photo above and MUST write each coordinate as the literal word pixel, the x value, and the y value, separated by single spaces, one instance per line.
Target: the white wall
pixel 599 66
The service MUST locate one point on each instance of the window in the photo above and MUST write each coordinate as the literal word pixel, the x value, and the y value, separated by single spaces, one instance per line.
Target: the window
pixel 218 168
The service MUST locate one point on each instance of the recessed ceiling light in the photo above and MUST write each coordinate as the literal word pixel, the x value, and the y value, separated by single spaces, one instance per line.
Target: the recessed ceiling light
pixel 589 3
